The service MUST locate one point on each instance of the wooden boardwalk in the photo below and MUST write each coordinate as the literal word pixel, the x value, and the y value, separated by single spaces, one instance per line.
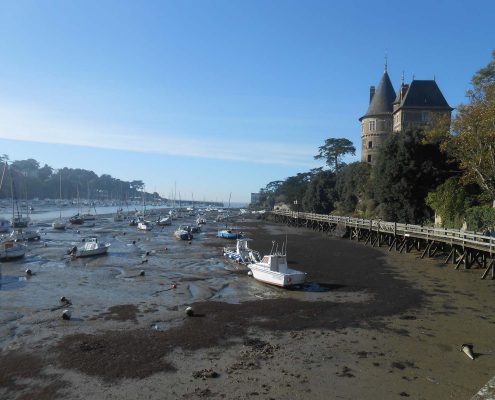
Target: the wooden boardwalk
pixel 461 248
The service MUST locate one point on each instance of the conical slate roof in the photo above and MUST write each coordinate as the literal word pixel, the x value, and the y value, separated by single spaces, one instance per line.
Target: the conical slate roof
pixel 383 98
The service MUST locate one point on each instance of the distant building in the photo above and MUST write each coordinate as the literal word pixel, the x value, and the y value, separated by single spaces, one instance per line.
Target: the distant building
pixel 388 112
pixel 255 198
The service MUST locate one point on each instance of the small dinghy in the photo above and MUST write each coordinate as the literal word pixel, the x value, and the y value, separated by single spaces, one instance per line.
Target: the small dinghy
pixel 273 269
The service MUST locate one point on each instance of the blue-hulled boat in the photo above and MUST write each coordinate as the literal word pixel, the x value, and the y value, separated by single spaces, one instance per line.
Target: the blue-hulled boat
pixel 229 234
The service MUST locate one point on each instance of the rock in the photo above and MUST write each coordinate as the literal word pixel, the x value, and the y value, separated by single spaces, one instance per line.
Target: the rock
pixel 206 373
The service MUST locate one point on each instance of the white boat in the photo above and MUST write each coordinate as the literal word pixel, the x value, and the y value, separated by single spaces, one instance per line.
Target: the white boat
pixel 59 224
pixel 165 221
pixel 10 250
pixel 21 235
pixel 241 252
pixel 4 225
pixel 88 216
pixel 273 269
pixel 91 247
pixel 144 226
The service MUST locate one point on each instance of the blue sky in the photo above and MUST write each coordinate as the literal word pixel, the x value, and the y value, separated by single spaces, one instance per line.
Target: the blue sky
pixel 219 96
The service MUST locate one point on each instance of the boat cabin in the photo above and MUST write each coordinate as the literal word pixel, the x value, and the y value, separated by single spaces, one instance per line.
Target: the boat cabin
pixel 276 262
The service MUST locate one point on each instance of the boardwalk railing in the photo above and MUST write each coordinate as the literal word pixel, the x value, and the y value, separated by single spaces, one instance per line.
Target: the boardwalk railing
pixel 463 246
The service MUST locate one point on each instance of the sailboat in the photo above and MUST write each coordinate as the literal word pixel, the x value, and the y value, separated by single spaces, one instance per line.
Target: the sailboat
pixel 144 225
pixel 77 219
pixel 18 223
pixel 10 250
pixel 59 224
pixel 4 223
pixel 88 216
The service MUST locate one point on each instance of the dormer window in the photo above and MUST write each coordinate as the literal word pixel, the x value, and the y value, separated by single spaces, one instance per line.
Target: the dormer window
pixel 372 125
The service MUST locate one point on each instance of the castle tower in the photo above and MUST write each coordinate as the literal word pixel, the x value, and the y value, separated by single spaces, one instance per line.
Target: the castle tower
pixel 377 123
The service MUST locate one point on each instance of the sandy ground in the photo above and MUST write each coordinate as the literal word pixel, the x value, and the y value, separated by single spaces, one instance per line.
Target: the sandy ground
pixel 371 324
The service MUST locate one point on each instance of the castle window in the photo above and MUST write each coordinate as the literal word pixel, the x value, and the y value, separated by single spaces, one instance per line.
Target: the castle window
pixel 369 158
pixel 372 125
pixel 370 144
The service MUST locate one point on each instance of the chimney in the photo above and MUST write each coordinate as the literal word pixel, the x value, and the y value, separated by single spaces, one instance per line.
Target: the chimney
pixel 372 92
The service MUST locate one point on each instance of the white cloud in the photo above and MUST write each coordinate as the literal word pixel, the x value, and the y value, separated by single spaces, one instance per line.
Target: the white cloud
pixel 34 126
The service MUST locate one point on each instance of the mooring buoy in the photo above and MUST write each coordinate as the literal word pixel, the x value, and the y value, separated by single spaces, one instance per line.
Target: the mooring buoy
pixel 29 272
pixel 141 273
pixel 189 311
pixel 66 314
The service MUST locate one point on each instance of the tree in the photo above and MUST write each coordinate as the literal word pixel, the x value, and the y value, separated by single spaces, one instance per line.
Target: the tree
pixel 406 171
pixel 333 150
pixel 320 195
pixel 352 185
pixel 471 140
pixel 293 189
pixel 451 200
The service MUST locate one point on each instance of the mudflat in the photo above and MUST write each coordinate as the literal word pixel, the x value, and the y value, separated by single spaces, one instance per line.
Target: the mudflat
pixel 369 324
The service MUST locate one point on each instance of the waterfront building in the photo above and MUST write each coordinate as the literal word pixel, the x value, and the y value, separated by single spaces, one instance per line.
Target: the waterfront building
pixel 415 104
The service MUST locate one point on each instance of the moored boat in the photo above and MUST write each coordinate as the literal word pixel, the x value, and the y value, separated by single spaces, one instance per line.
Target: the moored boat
pixel 20 222
pixel 4 225
pixel 10 250
pixel 165 221
pixel 21 235
pixel 58 224
pixel 76 220
pixel 229 234
pixel 273 269
pixel 144 225
pixel 241 252
pixel 183 234
pixel 91 247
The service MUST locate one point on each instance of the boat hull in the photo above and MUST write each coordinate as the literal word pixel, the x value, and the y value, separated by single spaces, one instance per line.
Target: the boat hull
pixel 183 235
pixel 288 279
pixel 229 235
pixel 58 225
pixel 93 252
pixel 12 253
